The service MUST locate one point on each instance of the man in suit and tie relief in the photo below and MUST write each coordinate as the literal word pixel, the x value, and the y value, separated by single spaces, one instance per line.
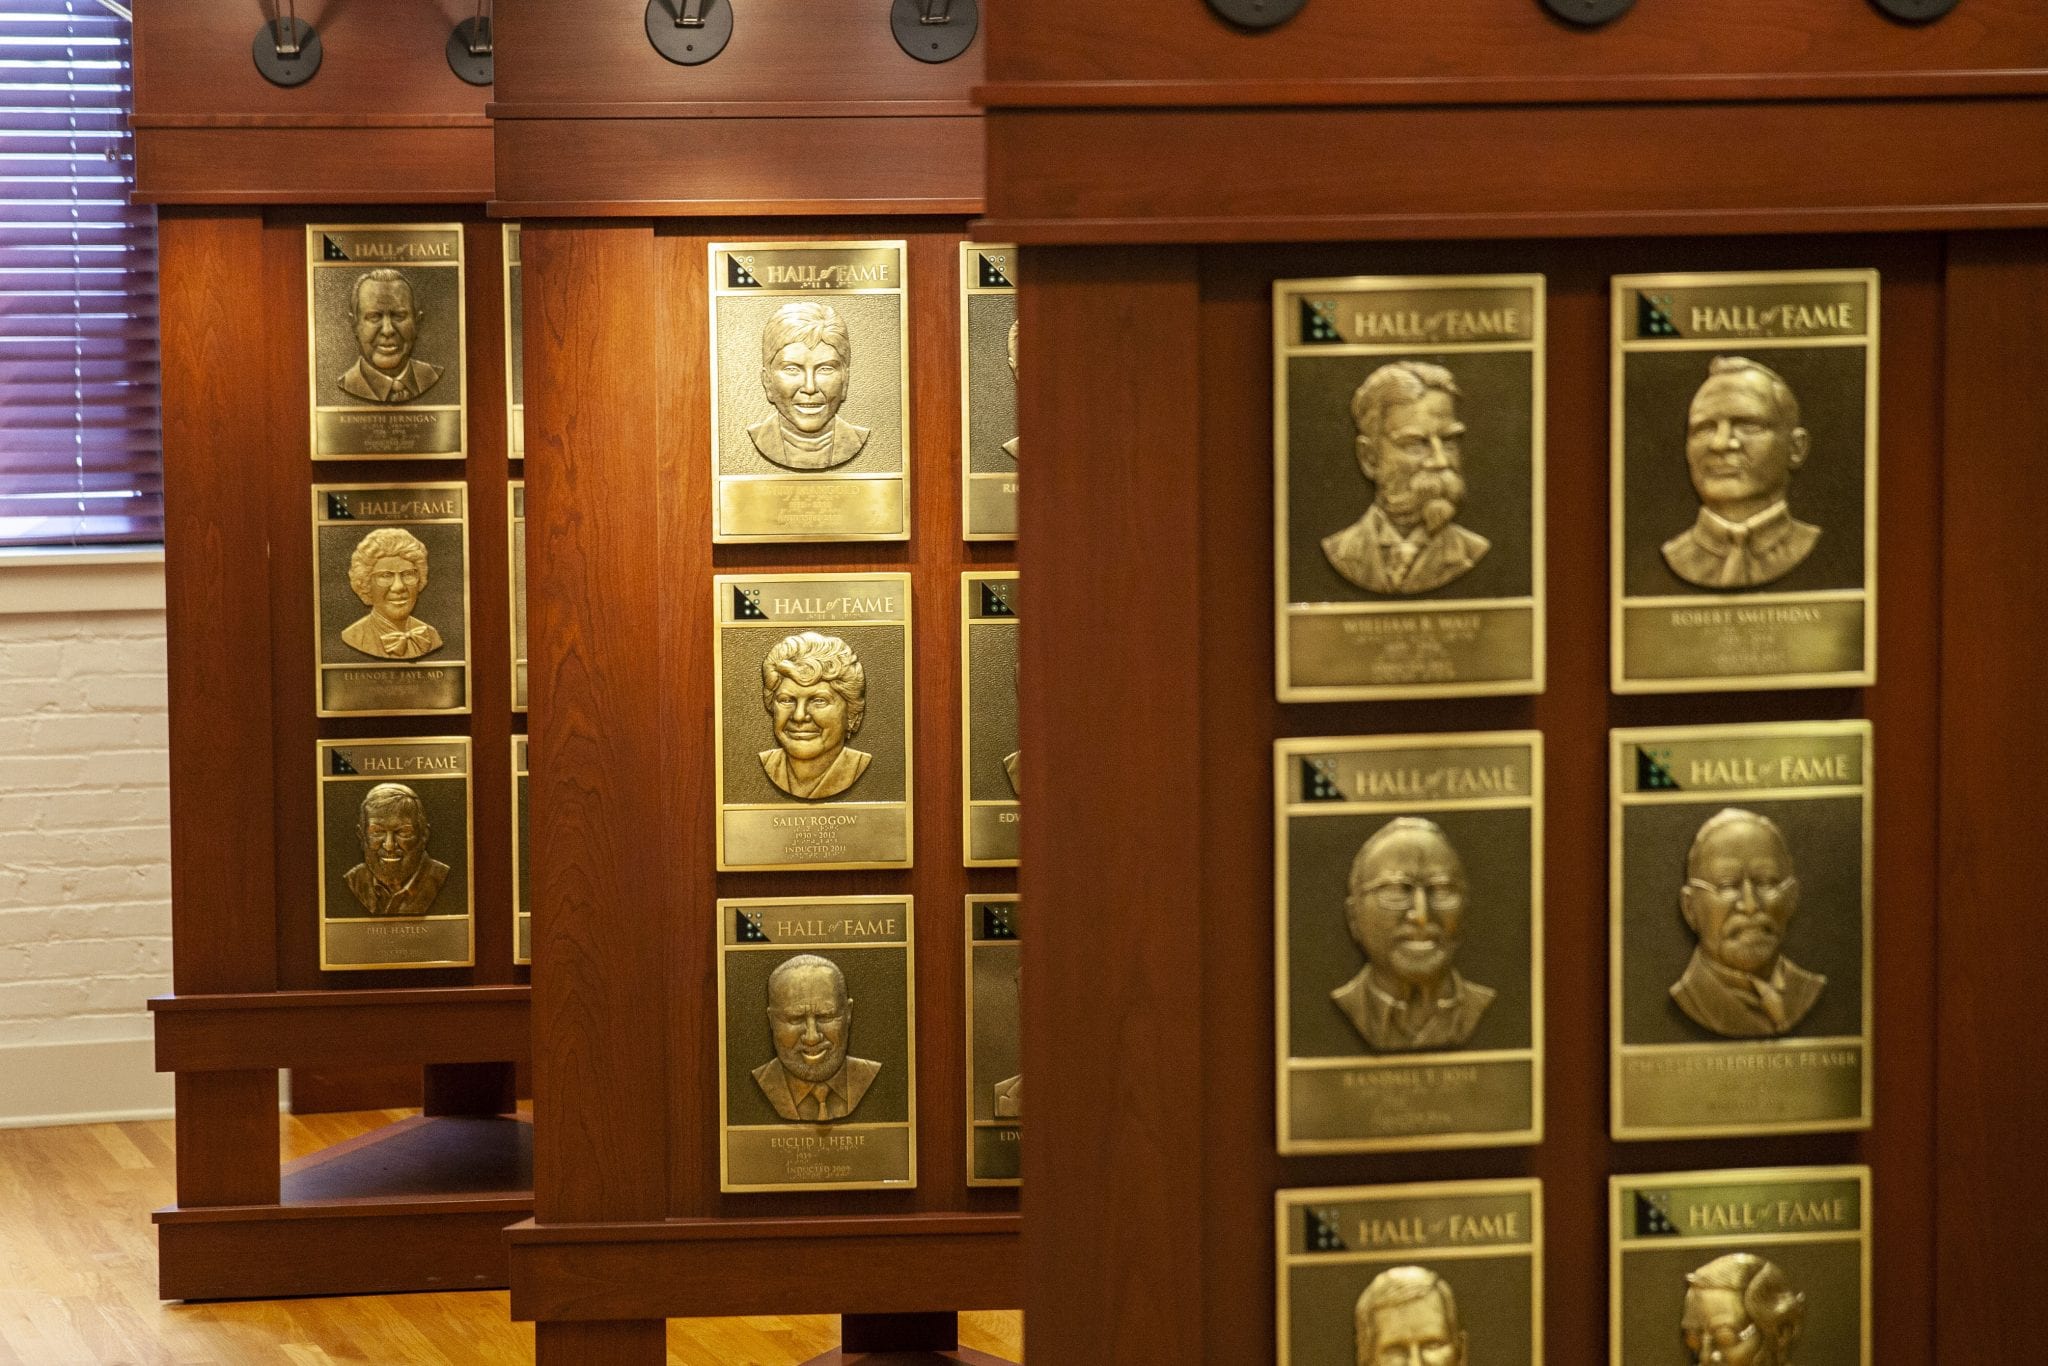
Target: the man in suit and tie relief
pixel 1740 893
pixel 1409 446
pixel 1406 910
pixel 387 321
pixel 811 1080
pixel 806 367
pixel 388 571
pixel 1743 441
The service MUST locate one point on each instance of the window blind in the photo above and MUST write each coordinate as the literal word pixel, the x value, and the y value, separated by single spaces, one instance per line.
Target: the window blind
pixel 80 432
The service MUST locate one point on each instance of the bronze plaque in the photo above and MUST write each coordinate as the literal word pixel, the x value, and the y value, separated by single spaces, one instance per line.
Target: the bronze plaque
pixel 1741 904
pixel 810 392
pixel 515 495
pixel 1745 481
pixel 989 750
pixel 1741 1268
pixel 988 391
pixel 817 1041
pixel 391 598
pixel 384 338
pixel 995 1040
pixel 1409 941
pixel 395 839
pixel 813 722
pixel 1408 486
pixel 515 348
pixel 1442 1274
pixel 522 870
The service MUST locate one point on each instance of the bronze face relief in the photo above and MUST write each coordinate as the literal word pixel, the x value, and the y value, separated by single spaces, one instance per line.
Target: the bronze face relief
pixel 1408 917
pixel 1439 1274
pixel 1744 480
pixel 395 841
pixel 391 598
pixel 990 444
pixel 385 336
pixel 1408 486
pixel 817 1043
pixel 1741 996
pixel 810 393
pixel 1767 1267
pixel 813 722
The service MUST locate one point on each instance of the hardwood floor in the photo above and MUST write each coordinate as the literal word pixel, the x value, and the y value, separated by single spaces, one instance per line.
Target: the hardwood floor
pixel 78 1279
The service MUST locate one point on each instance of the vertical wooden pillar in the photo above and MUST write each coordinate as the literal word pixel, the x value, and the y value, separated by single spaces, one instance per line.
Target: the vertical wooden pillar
pixel 1118 1082
pixel 1991 1216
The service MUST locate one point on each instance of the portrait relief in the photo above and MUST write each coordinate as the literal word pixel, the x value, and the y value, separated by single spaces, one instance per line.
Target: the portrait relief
pixel 1408 1316
pixel 1741 892
pixel 812 1078
pixel 1010 446
pixel 1010 1091
pixel 1743 443
pixel 806 371
pixel 1741 1310
pixel 1408 446
pixel 397 875
pixel 1405 909
pixel 388 571
pixel 386 316
pixel 815 693
pixel 1014 760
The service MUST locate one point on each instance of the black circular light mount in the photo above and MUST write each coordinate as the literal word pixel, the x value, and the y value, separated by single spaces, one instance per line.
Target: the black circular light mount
pixel 689 32
pixel 1917 11
pixel 287 51
pixel 1258 14
pixel 469 51
pixel 935 30
pixel 1589 13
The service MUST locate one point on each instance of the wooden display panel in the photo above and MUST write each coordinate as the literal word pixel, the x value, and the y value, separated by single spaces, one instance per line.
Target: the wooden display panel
pixel 250 999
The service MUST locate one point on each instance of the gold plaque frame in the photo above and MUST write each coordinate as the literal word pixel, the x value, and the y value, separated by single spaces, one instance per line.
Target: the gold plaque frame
pixel 1838 1066
pixel 440 504
pixel 1476 636
pixel 437 760
pixel 1639 1220
pixel 825 926
pixel 442 428
pixel 994 926
pixel 1454 1223
pixel 1766 622
pixel 1500 761
pixel 522 873
pixel 990 828
pixel 988 498
pixel 515 344
pixel 794 505
pixel 515 543
pixel 870 833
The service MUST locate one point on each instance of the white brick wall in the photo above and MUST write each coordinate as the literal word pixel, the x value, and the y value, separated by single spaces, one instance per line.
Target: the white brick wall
pixel 85 917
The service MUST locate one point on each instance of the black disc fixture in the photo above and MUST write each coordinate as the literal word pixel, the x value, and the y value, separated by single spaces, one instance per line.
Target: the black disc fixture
pixel 689 32
pixel 1917 11
pixel 469 48
pixel 287 50
pixel 1589 13
pixel 935 30
pixel 1257 14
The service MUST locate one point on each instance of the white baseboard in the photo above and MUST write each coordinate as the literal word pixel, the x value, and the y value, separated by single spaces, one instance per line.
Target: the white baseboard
pixel 101 1081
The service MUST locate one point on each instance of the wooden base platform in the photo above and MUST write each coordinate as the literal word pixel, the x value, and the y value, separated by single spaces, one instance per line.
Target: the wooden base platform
pixel 421 1204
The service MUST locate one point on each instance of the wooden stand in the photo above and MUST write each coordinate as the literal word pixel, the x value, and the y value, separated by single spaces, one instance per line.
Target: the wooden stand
pixel 419 1205
pixel 1157 208
pixel 624 169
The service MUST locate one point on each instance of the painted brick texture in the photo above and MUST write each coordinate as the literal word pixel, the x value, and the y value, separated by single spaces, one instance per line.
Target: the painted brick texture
pixel 85 913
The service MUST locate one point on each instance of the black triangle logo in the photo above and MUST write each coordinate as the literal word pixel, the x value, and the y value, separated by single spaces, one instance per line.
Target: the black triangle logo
pixel 1318 326
pixel 1322 1231
pixel 996 921
pixel 995 600
pixel 1652 773
pixel 737 276
pixel 1319 781
pixel 747 927
pixel 330 250
pixel 1653 315
pixel 746 604
pixel 339 764
pixel 992 276
pixel 1653 1219
pixel 338 508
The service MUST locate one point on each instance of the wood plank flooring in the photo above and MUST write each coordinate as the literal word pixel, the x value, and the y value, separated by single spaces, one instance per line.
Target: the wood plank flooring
pixel 78 1279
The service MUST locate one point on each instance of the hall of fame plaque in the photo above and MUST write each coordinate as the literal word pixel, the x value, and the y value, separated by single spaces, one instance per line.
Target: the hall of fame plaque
pixel 395 842
pixel 391 599
pixel 522 869
pixel 388 372
pixel 989 444
pixel 515 347
pixel 989 752
pixel 995 1040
